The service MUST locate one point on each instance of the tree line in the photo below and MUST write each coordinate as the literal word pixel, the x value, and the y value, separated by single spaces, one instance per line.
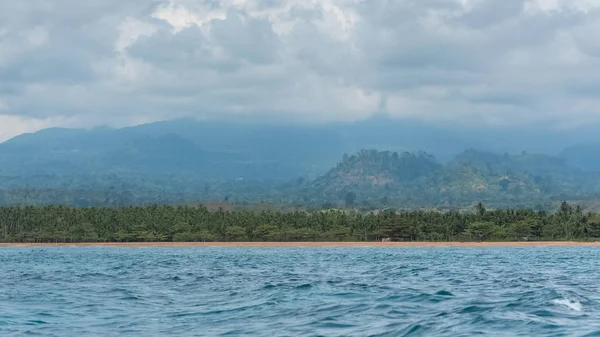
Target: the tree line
pixel 166 223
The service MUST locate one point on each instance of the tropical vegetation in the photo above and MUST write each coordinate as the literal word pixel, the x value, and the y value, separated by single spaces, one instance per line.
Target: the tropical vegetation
pixel 166 223
pixel 366 180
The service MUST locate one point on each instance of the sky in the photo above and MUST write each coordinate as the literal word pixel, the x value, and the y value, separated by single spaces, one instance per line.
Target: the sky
pixel 74 63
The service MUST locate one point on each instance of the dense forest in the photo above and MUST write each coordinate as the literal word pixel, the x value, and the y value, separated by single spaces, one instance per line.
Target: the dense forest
pixel 154 223
pixel 364 181
pixel 295 166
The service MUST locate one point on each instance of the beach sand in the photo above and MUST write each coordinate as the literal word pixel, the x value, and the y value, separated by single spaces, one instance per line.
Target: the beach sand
pixel 307 244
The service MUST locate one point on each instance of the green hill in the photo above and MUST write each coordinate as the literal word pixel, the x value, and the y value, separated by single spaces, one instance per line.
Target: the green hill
pixel 417 179
pixel 171 169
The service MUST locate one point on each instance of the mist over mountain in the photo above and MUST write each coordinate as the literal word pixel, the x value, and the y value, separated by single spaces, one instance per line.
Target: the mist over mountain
pixel 383 161
pixel 288 148
pixel 585 156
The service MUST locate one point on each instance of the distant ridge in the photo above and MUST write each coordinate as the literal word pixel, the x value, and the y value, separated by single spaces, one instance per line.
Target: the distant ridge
pixel 396 162
pixel 585 156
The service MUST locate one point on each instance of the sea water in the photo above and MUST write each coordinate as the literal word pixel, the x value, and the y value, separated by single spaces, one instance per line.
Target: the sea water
pixel 532 291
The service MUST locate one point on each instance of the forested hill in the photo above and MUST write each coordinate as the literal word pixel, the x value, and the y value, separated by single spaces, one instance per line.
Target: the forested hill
pixel 414 180
pixel 217 150
pixel 366 180
pixel 380 167
pixel 271 152
pixel 532 163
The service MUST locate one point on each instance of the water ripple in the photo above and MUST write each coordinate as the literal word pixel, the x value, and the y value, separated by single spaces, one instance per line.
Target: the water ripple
pixel 453 291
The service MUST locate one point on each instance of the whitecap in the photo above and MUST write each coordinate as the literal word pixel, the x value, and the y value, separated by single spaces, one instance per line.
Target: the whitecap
pixel 571 304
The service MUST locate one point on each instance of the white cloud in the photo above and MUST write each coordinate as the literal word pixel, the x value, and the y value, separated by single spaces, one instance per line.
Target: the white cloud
pixel 37 36
pixel 11 126
pixel 130 30
pixel 467 61
pixel 180 17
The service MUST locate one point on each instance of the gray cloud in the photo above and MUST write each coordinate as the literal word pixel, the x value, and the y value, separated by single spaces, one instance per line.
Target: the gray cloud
pixel 84 63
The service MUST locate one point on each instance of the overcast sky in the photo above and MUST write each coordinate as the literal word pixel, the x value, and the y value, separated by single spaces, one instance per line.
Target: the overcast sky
pixel 81 63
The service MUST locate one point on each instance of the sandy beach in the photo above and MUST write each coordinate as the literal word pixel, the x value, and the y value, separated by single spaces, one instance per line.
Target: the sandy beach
pixel 307 244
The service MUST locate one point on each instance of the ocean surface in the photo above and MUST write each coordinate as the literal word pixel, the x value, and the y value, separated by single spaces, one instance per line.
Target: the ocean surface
pixel 63 291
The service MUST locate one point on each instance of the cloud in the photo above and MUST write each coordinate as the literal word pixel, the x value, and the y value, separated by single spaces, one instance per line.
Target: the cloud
pixel 487 62
pixel 11 126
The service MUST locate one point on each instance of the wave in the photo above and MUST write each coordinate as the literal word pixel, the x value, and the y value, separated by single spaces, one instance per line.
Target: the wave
pixel 339 292
pixel 569 303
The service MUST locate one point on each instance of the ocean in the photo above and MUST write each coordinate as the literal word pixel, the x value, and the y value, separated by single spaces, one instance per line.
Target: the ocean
pixel 108 291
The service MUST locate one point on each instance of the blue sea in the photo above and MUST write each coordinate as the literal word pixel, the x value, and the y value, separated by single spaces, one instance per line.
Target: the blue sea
pixel 63 291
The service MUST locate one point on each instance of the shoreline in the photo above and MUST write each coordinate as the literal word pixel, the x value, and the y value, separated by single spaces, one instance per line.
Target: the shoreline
pixel 311 244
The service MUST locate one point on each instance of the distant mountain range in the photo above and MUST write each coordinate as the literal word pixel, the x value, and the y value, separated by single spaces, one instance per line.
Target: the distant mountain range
pixel 285 150
pixel 186 160
pixel 584 156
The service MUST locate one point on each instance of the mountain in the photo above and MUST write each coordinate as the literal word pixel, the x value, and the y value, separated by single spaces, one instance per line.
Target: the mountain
pixel 415 165
pixel 585 156
pixel 372 168
pixel 418 179
pixel 146 150
pixel 171 169
pixel 225 150
pixel 533 163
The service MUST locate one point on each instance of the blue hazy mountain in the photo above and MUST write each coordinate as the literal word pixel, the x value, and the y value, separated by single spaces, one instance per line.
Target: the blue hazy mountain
pixel 409 163
pixel 254 150
pixel 585 156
